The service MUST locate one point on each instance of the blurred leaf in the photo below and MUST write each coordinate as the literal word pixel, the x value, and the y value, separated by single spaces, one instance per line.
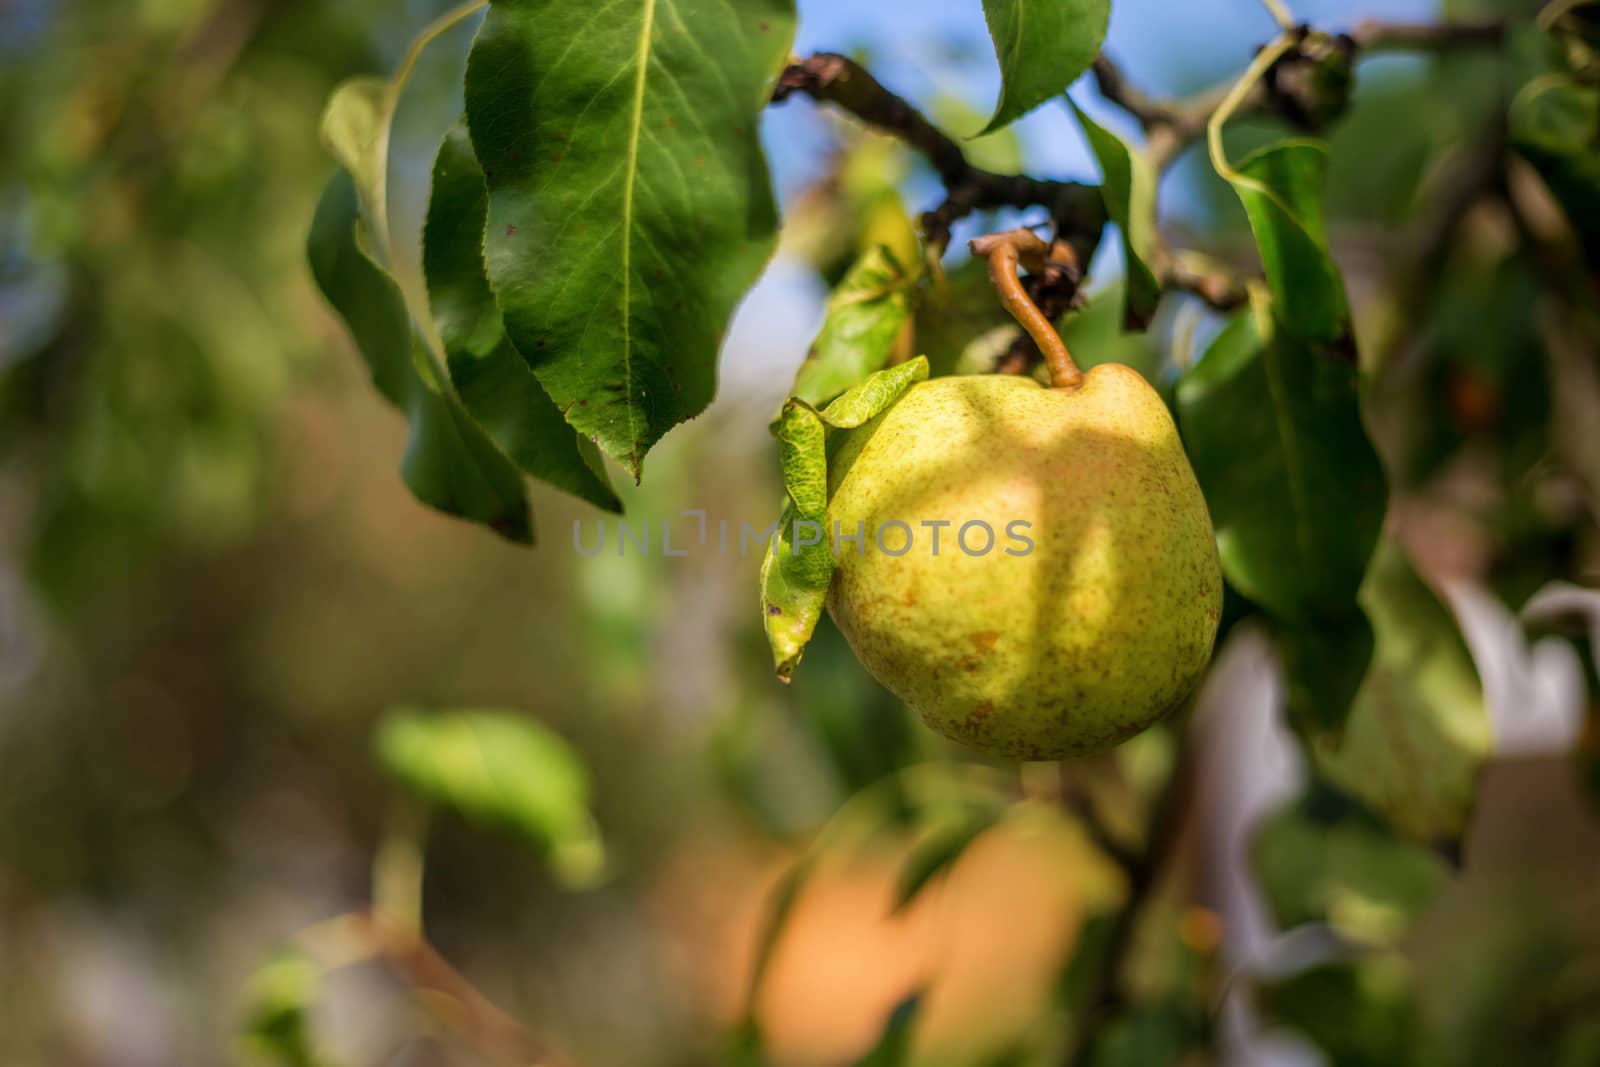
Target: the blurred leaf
pixel 894 1045
pixel 1418 734
pixel 1089 948
pixel 1555 125
pixel 1361 1013
pixel 1042 48
pixel 1147 1035
pixel 500 769
pixel 1129 189
pixel 866 312
pixel 629 207
pixel 852 207
pixel 450 464
pixel 1325 663
pixel 864 732
pixel 279 999
pixel 780 905
pixel 1361 880
pixel 1095 334
pixel 999 151
pixel 799 562
pixel 355 129
pixel 964 314
pixel 492 380
pixel 1294 486
pixel 745 1046
pixel 938 852
pixel 1281 189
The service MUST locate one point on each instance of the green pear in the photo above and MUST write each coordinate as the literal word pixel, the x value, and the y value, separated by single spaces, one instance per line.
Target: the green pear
pixel 1093 610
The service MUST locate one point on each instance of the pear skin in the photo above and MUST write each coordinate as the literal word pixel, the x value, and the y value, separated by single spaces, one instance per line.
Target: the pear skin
pixel 1060 649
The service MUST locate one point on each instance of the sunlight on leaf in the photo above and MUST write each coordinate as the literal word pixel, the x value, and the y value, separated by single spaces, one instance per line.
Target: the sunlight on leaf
pixel 1129 188
pixel 501 769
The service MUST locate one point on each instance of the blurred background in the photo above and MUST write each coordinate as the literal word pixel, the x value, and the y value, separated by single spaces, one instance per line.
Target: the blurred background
pixel 213 585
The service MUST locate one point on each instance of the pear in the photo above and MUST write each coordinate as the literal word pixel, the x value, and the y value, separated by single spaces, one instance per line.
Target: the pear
pixel 1092 611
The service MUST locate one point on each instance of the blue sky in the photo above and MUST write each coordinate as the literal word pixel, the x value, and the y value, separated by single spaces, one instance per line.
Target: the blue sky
pixel 916 46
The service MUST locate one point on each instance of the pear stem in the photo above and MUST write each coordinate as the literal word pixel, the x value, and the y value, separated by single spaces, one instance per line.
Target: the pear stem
pixel 1005 251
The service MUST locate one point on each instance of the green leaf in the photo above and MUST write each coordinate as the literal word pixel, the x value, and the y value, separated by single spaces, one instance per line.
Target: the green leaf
pixel 629 206
pixel 1129 188
pixel 799 563
pixel 1295 488
pixel 872 397
pixel 1042 45
pixel 493 381
pixel 866 312
pixel 1325 664
pixel 1281 189
pixel 1361 1013
pixel 1368 885
pixel 279 998
pixel 501 769
pixel 745 1046
pixel 450 463
pixel 1418 734
pixel 894 1044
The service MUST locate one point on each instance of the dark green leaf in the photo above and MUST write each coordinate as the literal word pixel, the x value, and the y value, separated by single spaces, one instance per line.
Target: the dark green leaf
pixel 937 853
pixel 1096 934
pixel 1555 125
pixel 629 206
pixel 450 463
pixel 501 769
pixel 1129 188
pixel 279 998
pixel 866 312
pixel 1148 1035
pixel 1281 189
pixel 894 1045
pixel 1418 733
pixel 1042 45
pixel 780 905
pixel 493 381
pixel 1294 485
pixel 1360 1014
pixel 1324 664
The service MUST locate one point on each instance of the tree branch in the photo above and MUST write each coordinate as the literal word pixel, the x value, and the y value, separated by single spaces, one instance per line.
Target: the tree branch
pixel 1375 35
pixel 1172 125
pixel 830 78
